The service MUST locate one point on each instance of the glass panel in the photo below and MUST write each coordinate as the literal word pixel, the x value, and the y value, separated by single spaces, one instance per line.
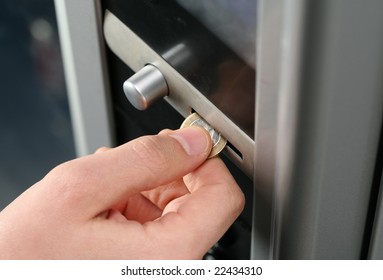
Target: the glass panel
pixel 35 128
pixel 232 21
pixel 210 43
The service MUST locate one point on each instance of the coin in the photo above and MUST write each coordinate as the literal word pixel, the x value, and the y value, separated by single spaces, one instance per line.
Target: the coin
pixel 219 142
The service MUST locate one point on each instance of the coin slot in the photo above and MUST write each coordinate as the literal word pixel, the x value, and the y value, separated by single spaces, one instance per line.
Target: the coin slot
pixel 231 149
pixel 234 150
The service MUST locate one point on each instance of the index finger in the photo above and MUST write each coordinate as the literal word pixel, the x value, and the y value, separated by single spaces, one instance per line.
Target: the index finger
pixel 203 216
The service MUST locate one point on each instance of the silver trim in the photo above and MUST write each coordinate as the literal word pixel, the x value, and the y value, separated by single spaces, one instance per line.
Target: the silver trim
pixel 269 47
pixel 182 95
pixel 83 53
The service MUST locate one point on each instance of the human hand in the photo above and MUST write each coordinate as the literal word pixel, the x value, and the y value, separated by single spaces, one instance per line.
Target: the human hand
pixel 152 198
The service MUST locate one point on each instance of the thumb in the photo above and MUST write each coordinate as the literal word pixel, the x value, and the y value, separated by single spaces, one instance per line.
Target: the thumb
pixel 97 182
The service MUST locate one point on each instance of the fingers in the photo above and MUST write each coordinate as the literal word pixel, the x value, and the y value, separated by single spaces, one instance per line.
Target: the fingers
pixel 166 131
pixel 162 195
pixel 139 208
pixel 148 205
pixel 94 183
pixel 199 219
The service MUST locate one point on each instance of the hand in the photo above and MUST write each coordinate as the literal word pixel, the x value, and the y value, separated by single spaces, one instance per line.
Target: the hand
pixel 152 198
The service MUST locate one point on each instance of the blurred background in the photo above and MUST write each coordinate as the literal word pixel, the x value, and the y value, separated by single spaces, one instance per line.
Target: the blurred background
pixel 35 127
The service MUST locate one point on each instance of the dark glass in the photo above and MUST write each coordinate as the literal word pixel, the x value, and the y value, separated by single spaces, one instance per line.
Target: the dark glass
pixel 36 132
pixel 213 68
pixel 197 53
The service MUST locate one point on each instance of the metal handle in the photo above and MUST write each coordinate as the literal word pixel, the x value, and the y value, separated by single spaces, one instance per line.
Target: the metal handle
pixel 145 87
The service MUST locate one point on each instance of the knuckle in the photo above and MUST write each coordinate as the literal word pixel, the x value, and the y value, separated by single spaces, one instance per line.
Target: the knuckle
pixel 235 196
pixel 65 182
pixel 240 202
pixel 101 150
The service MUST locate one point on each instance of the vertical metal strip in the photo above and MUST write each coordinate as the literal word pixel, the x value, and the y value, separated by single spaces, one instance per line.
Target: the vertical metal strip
pixel 269 43
pixel 80 28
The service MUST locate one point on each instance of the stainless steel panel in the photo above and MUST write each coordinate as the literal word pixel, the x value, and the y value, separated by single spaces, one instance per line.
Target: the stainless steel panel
pixel 329 121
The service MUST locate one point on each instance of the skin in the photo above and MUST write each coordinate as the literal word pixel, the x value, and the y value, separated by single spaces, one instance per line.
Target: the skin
pixel 156 197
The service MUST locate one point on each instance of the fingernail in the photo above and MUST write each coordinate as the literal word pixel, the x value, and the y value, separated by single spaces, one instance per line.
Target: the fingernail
pixel 193 139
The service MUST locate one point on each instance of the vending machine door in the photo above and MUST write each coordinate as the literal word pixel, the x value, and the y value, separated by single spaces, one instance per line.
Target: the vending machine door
pixel 294 86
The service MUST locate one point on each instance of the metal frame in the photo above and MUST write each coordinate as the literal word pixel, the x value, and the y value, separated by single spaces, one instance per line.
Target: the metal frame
pixel 376 248
pixel 329 115
pixel 269 32
pixel 80 28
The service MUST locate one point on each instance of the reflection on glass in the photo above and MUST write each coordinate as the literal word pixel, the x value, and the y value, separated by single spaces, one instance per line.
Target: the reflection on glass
pixel 35 127
pixel 233 22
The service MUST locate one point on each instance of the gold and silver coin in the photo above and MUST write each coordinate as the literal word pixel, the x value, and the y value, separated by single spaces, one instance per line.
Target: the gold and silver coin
pixel 219 142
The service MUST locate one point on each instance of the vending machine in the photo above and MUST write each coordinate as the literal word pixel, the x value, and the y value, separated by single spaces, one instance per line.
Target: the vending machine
pixel 293 86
